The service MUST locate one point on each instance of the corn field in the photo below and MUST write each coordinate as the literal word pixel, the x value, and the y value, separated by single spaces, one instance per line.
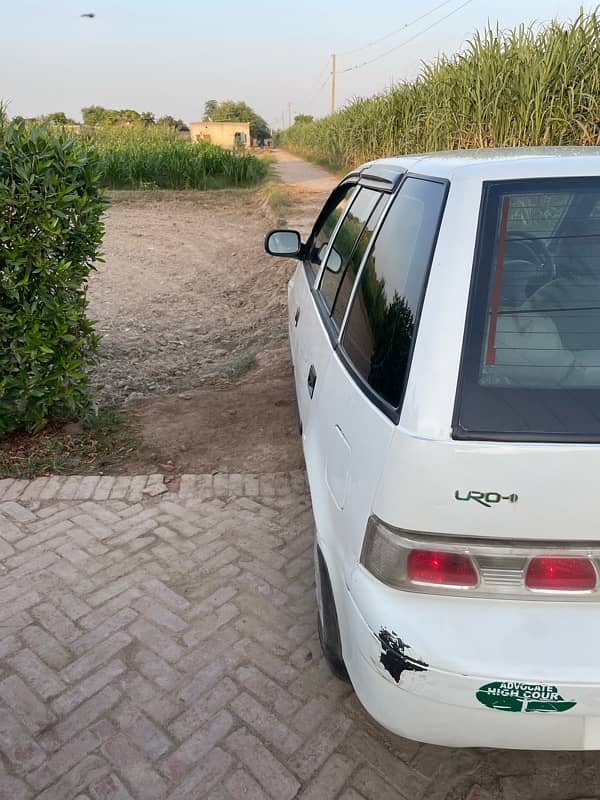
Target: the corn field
pixel 528 86
pixel 137 158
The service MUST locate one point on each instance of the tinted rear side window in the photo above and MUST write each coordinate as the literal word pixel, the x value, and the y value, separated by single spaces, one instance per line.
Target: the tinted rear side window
pixel 379 332
pixel 347 283
pixel 345 243
pixel 531 362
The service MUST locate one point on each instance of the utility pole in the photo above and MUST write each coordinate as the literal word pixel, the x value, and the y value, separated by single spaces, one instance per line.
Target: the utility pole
pixel 333 83
pixel 290 114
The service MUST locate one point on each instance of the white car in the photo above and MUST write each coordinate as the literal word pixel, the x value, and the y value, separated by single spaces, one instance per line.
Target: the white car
pixel 445 335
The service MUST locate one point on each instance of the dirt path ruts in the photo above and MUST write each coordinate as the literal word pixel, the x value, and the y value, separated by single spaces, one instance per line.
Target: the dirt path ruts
pixel 194 323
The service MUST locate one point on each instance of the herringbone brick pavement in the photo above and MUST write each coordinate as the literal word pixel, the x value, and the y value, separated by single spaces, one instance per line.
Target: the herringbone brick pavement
pixel 161 644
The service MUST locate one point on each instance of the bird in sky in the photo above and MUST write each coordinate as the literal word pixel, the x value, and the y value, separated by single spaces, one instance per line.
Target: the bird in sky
pixel 89 15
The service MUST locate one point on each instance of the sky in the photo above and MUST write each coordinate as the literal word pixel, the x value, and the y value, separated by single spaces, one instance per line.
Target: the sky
pixel 170 56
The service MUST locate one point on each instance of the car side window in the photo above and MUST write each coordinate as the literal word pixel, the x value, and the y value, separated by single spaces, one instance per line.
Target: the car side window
pixel 345 243
pixel 344 292
pixel 326 224
pixel 379 332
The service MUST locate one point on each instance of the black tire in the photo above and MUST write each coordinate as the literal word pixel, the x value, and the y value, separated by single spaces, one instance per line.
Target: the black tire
pixel 329 630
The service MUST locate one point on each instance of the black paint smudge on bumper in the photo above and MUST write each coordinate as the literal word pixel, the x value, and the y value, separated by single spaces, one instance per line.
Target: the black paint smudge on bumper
pixel 394 657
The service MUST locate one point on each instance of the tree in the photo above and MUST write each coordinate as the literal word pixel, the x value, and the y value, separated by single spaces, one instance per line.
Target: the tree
pixel 210 108
pixel 128 115
pixel 236 111
pixel 94 116
pixel 58 118
pixel 171 122
pixel 97 116
pixel 91 115
pixel 302 119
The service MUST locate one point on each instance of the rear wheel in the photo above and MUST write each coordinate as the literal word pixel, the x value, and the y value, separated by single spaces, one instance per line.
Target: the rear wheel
pixel 329 631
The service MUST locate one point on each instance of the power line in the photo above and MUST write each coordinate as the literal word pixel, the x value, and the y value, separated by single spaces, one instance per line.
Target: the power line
pixel 309 95
pixel 313 91
pixel 316 92
pixel 333 77
pixel 407 41
pixel 397 30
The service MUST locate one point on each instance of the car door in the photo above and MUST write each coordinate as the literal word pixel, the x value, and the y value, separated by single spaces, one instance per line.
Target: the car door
pixel 360 402
pixel 310 348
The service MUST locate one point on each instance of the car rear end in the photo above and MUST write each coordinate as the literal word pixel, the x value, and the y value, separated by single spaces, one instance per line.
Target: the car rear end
pixel 470 618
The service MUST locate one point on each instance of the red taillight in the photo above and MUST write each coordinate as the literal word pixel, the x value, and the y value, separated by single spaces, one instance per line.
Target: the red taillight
pixel 438 567
pixel 560 574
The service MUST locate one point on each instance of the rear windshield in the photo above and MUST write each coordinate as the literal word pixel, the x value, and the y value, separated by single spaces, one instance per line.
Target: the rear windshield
pixel 531 361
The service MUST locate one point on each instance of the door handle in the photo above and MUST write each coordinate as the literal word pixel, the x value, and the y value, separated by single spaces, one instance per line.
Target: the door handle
pixel 312 379
pixel 296 317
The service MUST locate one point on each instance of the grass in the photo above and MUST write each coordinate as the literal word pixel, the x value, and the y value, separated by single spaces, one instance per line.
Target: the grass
pixel 280 201
pixel 238 368
pixel 527 86
pixel 158 158
pixel 92 448
pixel 279 198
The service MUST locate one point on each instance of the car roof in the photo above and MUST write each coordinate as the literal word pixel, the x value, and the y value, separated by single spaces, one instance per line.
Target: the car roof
pixel 503 163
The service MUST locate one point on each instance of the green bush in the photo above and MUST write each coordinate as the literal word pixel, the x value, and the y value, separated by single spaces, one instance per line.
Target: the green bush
pixel 51 205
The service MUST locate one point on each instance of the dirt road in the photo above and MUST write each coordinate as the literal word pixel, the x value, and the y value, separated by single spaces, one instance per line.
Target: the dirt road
pixel 194 324
pixel 305 178
pixel 309 184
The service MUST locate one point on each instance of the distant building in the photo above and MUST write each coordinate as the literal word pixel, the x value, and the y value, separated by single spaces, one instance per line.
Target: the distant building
pixel 224 134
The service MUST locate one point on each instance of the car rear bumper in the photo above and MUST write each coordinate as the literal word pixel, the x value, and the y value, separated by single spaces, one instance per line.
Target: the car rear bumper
pixel 415 699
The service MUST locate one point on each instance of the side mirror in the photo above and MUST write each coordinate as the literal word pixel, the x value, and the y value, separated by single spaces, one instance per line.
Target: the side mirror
pixel 283 243
pixel 334 262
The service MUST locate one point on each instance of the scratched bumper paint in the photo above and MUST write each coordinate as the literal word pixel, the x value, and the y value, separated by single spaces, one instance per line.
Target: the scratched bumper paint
pixel 390 653
pixel 395 656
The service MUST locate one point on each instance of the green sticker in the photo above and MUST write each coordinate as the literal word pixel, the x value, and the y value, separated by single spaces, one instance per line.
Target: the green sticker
pixel 516 696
